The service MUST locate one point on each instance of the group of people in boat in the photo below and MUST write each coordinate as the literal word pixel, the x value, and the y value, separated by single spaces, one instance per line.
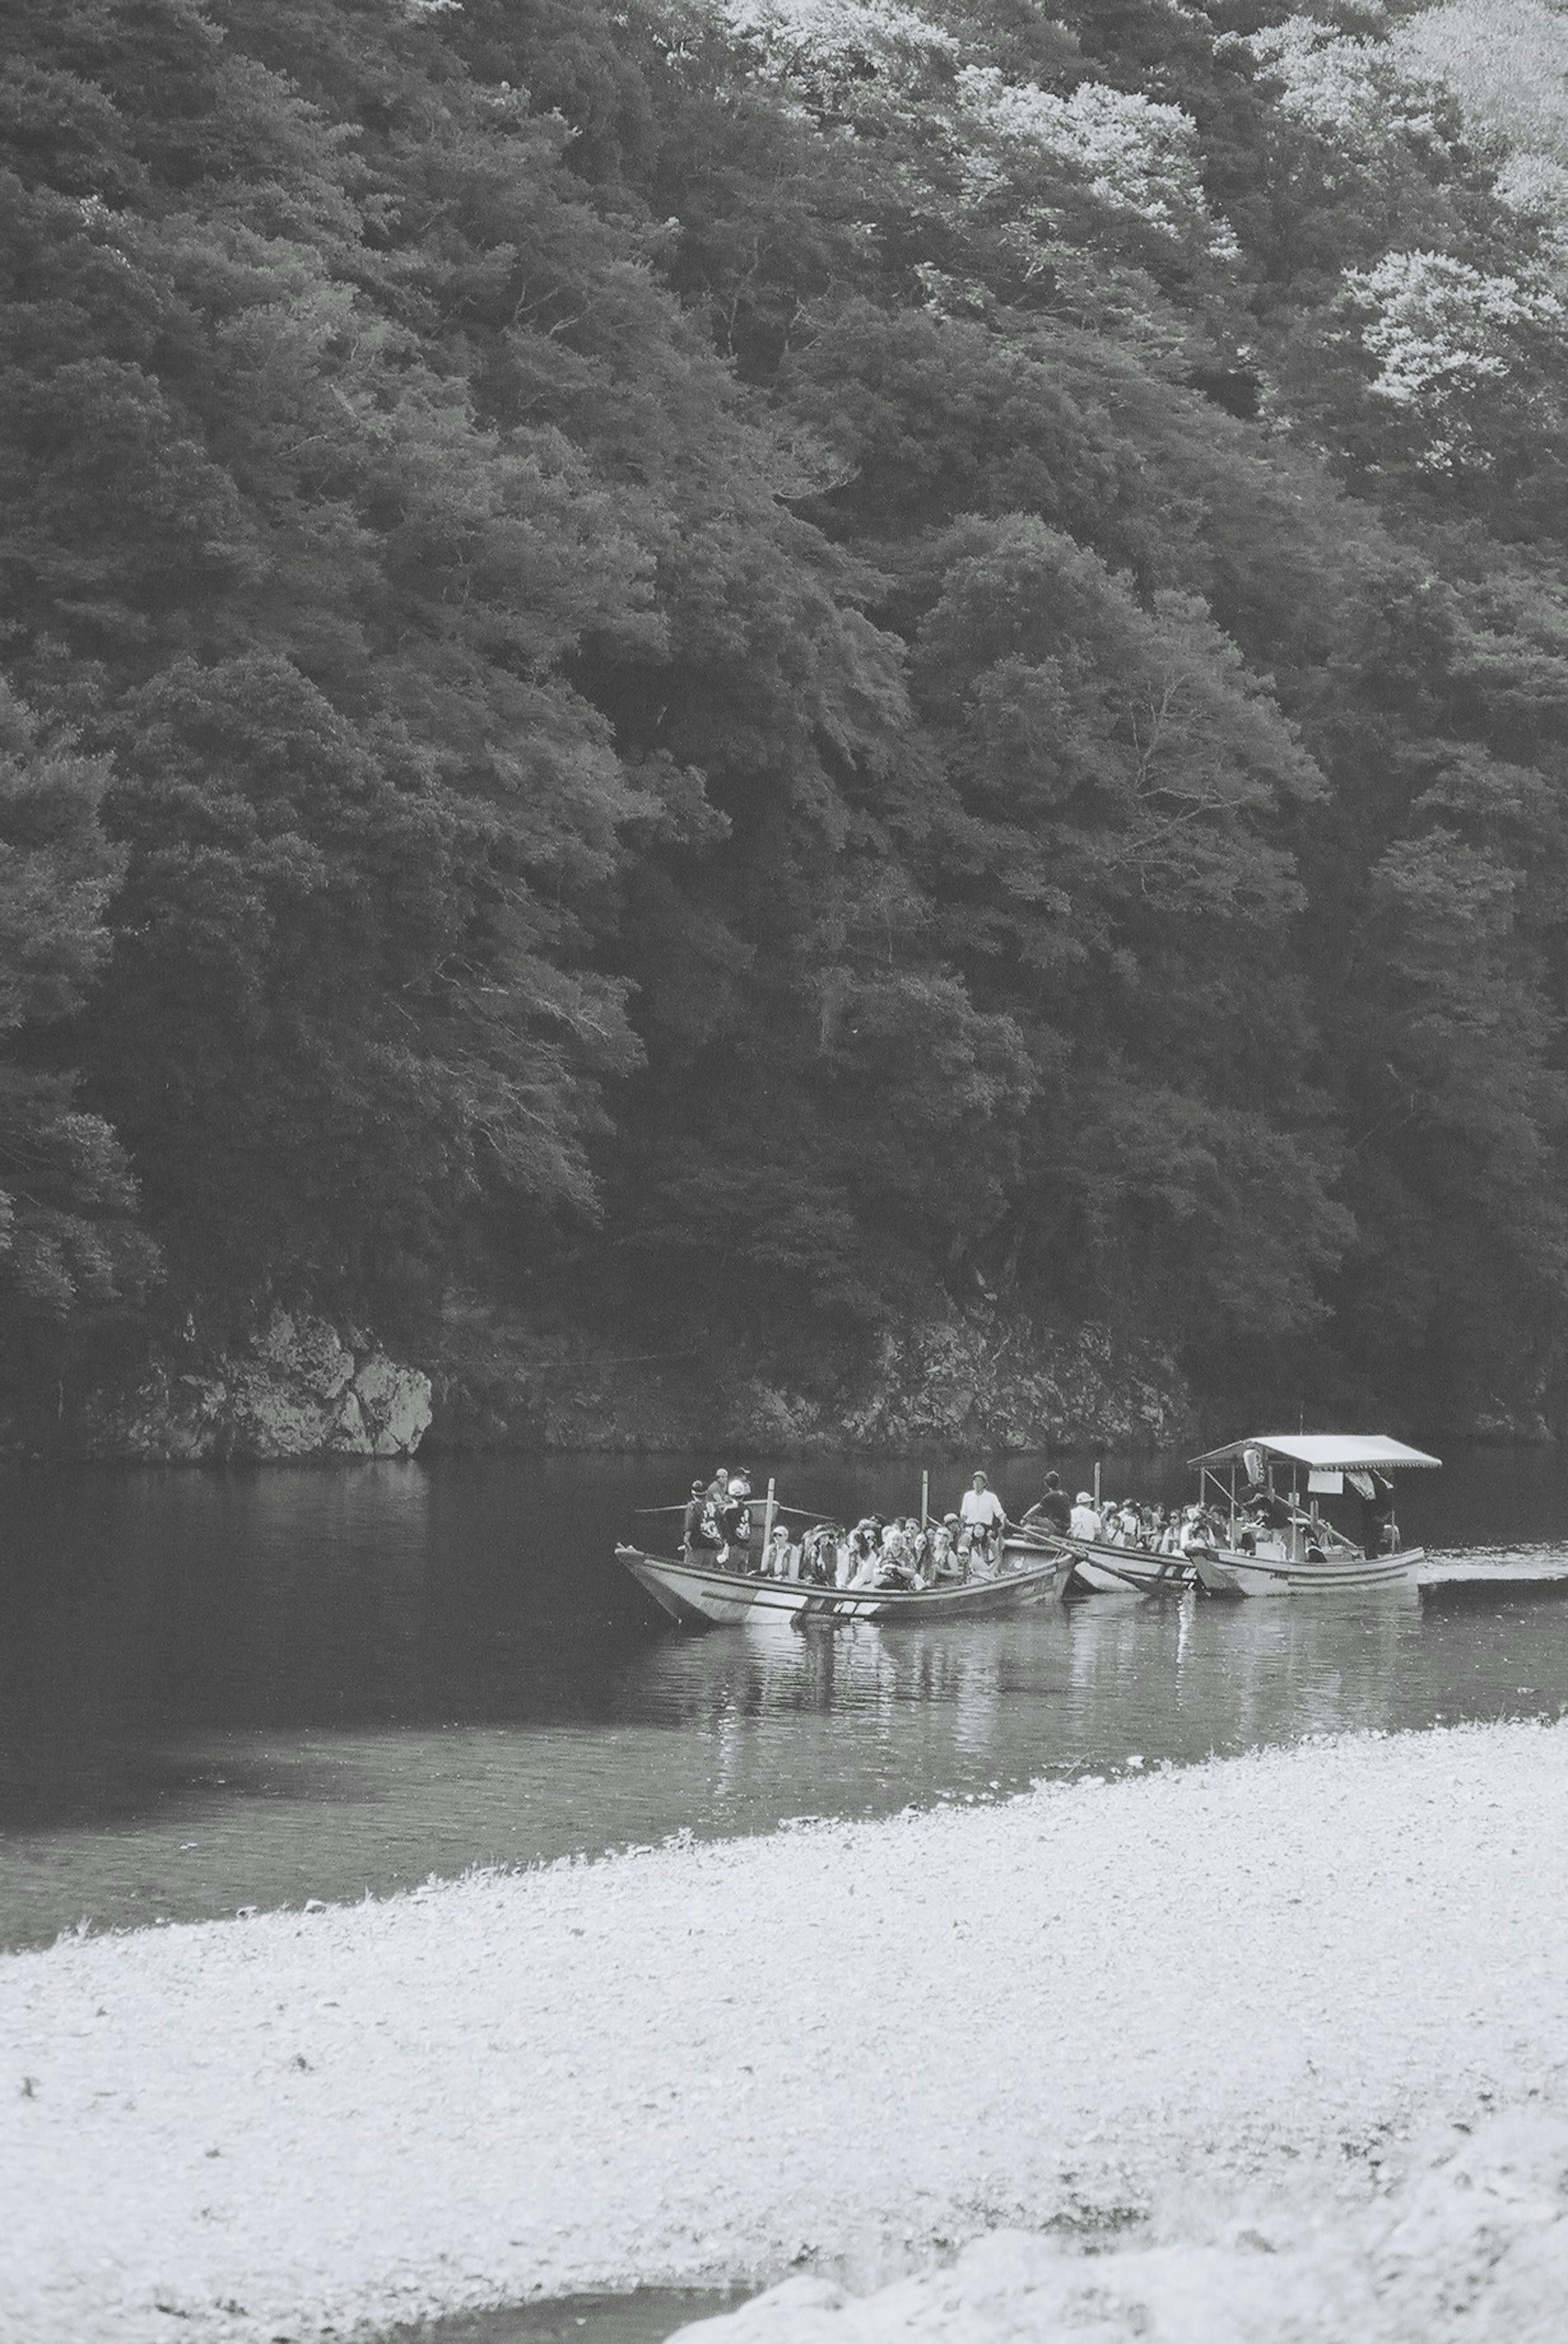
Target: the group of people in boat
pixel 1261 1515
pixel 719 1530
pixel 1151 1529
pixel 896 1552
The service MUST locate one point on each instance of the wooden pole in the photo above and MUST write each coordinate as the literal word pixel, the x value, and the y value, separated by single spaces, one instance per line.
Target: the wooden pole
pixel 925 1496
pixel 1096 1485
pixel 768 1518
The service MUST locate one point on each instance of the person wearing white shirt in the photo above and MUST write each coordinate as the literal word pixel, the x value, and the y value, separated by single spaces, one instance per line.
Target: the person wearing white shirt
pixel 1084 1522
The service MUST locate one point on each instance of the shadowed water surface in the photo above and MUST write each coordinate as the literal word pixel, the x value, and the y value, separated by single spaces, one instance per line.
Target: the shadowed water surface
pixel 224 1688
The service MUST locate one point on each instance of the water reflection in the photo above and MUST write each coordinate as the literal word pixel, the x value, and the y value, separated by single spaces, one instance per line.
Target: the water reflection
pixel 230 1689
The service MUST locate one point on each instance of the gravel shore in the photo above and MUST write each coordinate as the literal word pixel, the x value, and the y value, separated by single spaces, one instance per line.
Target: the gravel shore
pixel 1158 2016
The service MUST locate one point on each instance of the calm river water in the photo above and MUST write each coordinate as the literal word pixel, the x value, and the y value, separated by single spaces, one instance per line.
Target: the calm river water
pixel 228 1688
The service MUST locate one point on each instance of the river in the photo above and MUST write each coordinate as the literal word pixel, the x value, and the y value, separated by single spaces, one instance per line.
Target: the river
pixel 230 1688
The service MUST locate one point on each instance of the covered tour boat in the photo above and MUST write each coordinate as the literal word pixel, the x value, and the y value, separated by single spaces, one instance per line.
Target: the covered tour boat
pixel 701 1595
pixel 1275 1539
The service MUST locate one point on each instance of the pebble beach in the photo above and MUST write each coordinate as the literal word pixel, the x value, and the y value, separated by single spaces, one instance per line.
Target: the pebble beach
pixel 1219 2038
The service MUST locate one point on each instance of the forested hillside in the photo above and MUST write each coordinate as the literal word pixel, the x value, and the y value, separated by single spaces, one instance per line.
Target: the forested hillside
pixel 744 670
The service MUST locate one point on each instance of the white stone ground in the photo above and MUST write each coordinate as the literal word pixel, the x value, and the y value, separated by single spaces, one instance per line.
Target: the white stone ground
pixel 1220 2024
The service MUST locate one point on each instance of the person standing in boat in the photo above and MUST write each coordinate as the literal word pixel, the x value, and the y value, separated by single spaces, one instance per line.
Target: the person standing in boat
pixel 692 1521
pixel 737 1520
pixel 982 1516
pixel 1084 1523
pixel 1052 1510
pixel 1376 1493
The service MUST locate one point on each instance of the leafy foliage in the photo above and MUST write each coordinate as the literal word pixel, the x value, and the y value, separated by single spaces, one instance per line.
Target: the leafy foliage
pixel 68 1247
pixel 789 659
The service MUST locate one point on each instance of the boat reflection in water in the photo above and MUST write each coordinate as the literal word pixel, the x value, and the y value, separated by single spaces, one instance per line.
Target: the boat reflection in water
pixel 1203 1676
pixel 994 1705
pixel 250 1689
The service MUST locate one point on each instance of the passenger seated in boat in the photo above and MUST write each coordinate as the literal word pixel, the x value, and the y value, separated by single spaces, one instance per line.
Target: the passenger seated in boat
pixel 895 1559
pixel 868 1569
pixel 947 1560
pixel 982 1514
pixel 976 1552
pixel 1193 1532
pixel 941 1561
pixel 864 1541
pixel 779 1558
pixel 816 1556
pixel 1126 1524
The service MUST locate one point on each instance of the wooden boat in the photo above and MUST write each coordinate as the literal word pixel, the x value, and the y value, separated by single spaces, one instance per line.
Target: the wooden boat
pixel 1304 1554
pixel 1101 1569
pixel 698 1596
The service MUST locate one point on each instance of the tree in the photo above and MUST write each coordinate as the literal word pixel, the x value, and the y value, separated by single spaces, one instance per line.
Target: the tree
pixel 69 1243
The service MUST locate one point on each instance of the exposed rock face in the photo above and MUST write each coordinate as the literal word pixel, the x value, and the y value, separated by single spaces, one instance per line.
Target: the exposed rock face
pixel 392 1405
pixel 295 1389
pixel 941 1387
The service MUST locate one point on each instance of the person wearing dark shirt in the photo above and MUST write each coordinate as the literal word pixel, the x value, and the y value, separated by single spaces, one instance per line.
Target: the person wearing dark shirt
pixel 692 1521
pixel 1271 1510
pixel 736 1517
pixel 1052 1510
pixel 1377 1510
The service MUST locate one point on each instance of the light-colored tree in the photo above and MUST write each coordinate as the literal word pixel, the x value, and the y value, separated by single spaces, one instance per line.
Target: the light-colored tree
pixel 1452 343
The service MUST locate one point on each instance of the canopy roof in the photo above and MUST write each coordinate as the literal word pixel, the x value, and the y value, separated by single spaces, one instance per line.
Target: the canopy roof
pixel 1326 1452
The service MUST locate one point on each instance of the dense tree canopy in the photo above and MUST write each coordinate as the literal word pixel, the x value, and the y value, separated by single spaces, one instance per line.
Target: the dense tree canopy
pixel 792 657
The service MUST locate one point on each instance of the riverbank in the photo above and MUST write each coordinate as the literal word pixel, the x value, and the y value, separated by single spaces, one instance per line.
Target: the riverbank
pixel 1147 2014
pixel 486 1380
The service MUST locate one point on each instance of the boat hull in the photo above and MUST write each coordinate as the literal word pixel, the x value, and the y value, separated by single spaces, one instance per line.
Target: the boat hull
pixel 1128 1571
pixel 1225 1573
pixel 697 1596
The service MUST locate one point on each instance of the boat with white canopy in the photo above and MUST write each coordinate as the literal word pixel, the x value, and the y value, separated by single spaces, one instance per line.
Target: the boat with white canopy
pixel 1269 1533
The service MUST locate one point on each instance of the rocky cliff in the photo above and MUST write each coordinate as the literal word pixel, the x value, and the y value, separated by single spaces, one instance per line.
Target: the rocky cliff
pixel 296 1387
pixel 489 1378
pixel 940 1386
